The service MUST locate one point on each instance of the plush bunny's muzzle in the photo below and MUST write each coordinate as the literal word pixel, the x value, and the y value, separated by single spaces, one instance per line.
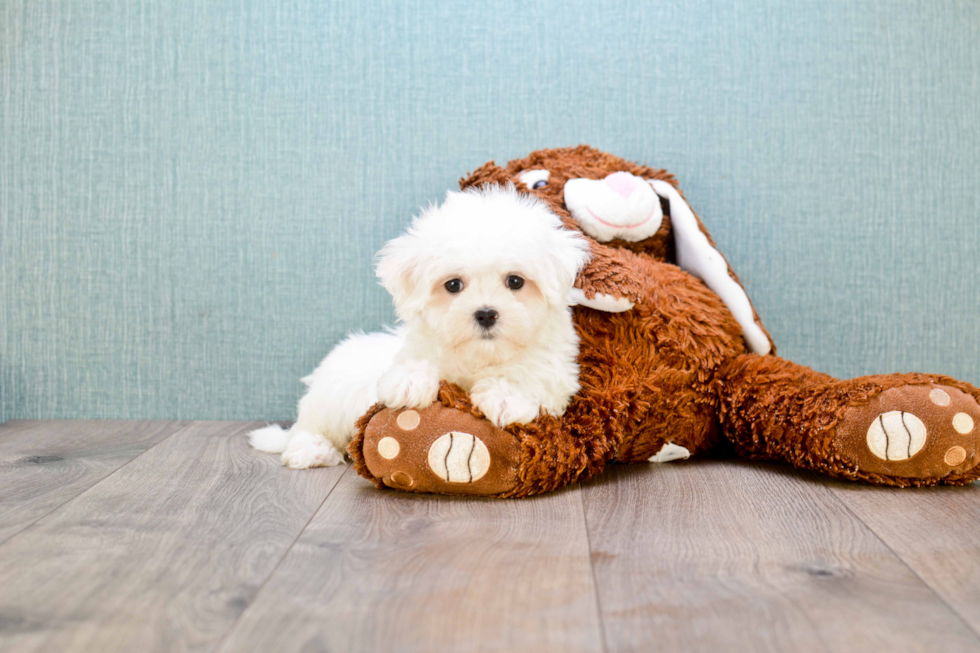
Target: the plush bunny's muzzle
pixel 621 206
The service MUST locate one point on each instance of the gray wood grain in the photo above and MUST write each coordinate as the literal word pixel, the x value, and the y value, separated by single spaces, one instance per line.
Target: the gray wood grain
pixel 384 571
pixel 43 464
pixel 935 531
pixel 163 555
pixel 166 536
pixel 726 556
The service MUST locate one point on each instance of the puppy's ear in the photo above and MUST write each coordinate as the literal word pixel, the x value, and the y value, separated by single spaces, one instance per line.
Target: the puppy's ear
pixel 400 271
pixel 567 254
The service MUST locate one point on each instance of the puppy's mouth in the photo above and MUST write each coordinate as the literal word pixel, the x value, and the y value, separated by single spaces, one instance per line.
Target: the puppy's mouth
pixel 488 332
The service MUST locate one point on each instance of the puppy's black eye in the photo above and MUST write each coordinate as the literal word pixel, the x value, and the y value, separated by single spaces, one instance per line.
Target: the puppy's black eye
pixel 541 183
pixel 515 282
pixel 454 285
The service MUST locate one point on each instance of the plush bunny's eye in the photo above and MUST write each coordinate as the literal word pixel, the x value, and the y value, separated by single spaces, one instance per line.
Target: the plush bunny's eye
pixel 535 179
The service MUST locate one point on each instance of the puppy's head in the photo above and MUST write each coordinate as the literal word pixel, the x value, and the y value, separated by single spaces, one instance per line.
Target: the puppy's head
pixel 484 271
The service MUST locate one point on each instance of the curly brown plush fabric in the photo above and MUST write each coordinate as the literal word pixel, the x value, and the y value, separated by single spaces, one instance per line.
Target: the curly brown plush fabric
pixel 676 370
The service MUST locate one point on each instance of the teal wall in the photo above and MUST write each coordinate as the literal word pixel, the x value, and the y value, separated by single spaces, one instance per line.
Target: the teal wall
pixel 191 193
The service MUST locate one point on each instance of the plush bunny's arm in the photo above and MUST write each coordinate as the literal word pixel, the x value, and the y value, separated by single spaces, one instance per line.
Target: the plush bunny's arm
pixel 607 282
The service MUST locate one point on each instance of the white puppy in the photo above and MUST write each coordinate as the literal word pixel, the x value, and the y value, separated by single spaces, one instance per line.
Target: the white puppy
pixel 481 284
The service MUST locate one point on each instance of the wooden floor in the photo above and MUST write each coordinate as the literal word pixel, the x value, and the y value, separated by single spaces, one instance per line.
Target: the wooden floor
pixel 167 536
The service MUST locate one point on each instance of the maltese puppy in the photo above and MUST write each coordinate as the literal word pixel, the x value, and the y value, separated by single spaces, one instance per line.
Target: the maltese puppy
pixel 481 285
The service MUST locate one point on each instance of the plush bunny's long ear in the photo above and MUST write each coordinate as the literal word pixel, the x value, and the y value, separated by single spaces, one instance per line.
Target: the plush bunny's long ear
pixel 697 255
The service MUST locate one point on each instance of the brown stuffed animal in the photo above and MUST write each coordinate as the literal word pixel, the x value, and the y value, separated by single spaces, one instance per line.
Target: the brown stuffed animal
pixel 674 363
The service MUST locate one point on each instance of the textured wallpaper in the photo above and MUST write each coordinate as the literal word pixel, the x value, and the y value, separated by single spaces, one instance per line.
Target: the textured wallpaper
pixel 191 193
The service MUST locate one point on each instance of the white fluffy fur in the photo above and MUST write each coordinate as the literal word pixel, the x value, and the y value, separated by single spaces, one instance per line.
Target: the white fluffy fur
pixel 524 365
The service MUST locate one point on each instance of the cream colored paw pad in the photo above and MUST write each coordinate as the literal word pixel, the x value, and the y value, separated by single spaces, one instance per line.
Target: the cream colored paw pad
pixel 963 423
pixel 896 435
pixel 401 479
pixel 458 457
pixel 388 447
pixel 939 397
pixel 955 456
pixel 408 420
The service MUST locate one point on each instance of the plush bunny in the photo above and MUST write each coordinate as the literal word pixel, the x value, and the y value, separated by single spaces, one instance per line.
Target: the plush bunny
pixel 674 363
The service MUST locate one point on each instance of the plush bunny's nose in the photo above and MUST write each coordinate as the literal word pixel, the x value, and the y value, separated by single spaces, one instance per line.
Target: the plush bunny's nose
pixel 622 182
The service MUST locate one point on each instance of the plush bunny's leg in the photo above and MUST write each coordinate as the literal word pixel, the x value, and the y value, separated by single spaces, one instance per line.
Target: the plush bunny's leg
pixel 897 429
pixel 444 449
pixel 449 448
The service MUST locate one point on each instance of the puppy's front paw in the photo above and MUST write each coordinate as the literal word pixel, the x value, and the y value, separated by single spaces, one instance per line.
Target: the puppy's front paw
pixel 412 384
pixel 306 450
pixel 502 403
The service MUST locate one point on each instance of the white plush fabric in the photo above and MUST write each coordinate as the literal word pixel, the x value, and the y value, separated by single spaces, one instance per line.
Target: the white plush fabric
pixel 669 453
pixel 601 301
pixel 620 206
pixel 531 177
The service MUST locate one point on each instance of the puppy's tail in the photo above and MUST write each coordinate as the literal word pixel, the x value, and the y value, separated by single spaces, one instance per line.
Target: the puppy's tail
pixel 271 439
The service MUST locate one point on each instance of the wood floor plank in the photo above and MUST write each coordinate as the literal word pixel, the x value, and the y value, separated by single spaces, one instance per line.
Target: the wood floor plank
pixel 728 556
pixel 935 531
pixel 43 464
pixel 162 555
pixel 387 571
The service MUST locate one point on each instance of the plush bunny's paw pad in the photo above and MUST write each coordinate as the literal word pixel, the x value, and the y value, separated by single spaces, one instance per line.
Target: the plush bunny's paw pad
pixel 440 450
pixel 458 457
pixel 914 432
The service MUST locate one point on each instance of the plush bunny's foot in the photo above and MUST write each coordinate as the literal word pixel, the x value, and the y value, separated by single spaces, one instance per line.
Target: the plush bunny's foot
pixel 922 433
pixel 440 450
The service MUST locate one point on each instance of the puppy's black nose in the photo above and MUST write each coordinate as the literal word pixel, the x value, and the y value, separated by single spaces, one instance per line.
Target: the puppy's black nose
pixel 485 317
